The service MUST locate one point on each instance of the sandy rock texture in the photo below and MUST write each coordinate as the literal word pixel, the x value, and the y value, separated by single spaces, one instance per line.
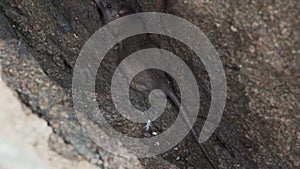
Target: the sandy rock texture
pixel 258 43
pixel 24 138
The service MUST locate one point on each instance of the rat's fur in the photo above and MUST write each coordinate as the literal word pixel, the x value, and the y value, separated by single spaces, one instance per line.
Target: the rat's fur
pixel 146 80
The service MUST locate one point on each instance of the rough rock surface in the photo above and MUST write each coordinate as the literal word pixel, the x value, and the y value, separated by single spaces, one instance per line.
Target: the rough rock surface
pixel 24 138
pixel 258 42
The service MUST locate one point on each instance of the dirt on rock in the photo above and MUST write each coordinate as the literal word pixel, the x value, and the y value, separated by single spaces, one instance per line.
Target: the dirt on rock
pixel 257 41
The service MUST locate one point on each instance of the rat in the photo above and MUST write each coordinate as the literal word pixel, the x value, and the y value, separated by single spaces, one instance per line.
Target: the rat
pixel 113 9
pixel 151 79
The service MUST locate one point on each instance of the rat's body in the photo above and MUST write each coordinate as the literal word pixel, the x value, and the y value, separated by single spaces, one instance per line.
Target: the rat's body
pixel 146 80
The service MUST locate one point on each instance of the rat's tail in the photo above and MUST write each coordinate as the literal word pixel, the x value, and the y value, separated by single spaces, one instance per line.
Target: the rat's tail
pixel 170 93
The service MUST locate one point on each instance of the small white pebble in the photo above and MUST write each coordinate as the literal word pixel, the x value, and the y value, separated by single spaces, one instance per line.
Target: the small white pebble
pixel 156 144
pixel 177 158
pixel 233 28
pixel 154 133
pixel 175 148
